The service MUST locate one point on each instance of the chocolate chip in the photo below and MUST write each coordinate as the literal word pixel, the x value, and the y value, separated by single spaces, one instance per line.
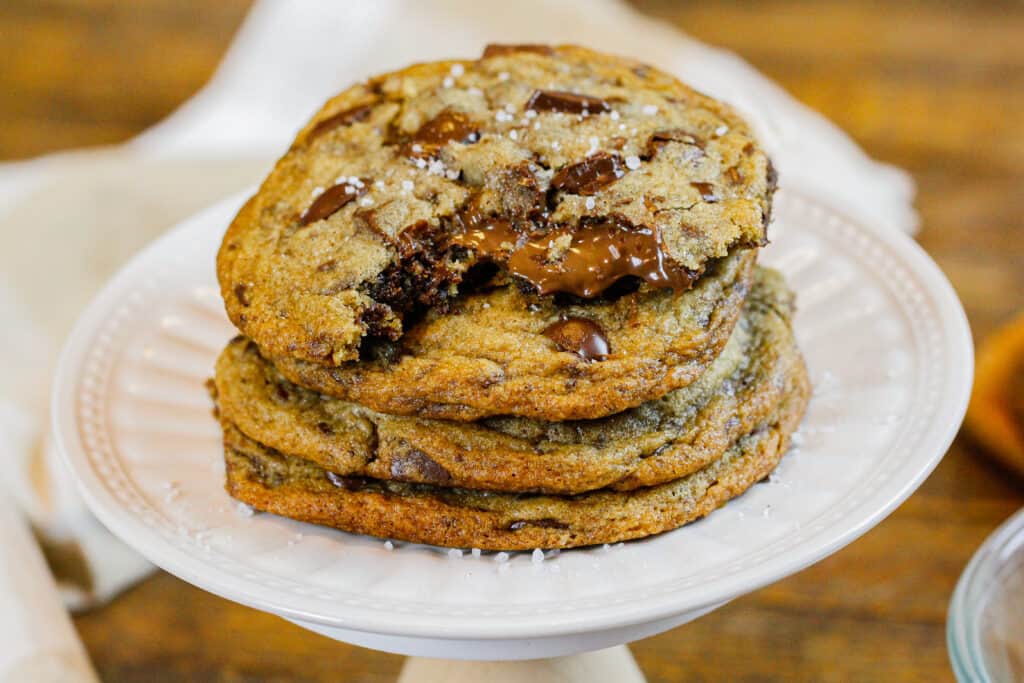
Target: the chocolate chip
pixel 707 191
pixel 580 336
pixel 500 50
pixel 332 200
pixel 242 294
pixel 342 118
pixel 415 465
pixel 448 126
pixel 568 102
pixel 325 428
pixel 590 175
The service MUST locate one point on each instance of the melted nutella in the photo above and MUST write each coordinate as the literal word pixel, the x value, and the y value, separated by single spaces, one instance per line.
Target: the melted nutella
pixel 579 336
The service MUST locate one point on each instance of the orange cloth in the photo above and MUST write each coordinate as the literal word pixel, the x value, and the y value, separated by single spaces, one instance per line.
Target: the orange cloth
pixel 996 413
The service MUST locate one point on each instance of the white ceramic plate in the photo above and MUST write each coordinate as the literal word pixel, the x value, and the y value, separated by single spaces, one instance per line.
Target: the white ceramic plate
pixel 891 360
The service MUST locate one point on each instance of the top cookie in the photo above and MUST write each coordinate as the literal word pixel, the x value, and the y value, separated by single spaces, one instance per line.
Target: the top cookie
pixel 557 169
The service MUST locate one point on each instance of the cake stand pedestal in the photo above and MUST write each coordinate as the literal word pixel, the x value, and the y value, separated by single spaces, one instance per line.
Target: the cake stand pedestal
pixel 613 664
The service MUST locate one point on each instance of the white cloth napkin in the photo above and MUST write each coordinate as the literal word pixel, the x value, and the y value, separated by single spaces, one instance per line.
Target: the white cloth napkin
pixel 66 221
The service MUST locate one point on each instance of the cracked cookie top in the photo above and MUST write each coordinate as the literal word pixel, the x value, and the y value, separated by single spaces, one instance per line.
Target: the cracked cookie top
pixel 556 170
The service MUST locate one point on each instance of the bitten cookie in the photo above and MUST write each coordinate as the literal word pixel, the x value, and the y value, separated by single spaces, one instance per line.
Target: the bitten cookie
pixel 562 173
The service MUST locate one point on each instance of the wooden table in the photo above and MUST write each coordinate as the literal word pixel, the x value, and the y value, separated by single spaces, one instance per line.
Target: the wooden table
pixel 935 87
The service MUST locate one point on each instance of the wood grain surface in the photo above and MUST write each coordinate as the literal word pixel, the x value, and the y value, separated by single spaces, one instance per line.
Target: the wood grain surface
pixel 934 86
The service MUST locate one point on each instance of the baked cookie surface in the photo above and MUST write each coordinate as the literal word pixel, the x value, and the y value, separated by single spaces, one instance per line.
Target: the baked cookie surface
pixel 653 443
pixel 560 172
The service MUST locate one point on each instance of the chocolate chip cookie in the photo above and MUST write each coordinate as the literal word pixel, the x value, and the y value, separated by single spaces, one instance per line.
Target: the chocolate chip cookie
pixel 299 489
pixel 502 352
pixel 656 442
pixel 561 177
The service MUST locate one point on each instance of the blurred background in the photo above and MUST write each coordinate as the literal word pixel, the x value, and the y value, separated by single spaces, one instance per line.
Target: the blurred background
pixel 933 86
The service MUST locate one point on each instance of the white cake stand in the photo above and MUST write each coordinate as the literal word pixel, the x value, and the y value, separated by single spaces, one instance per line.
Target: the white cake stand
pixel 890 356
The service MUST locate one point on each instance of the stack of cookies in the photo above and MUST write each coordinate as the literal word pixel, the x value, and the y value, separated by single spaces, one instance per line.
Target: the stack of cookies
pixel 508 303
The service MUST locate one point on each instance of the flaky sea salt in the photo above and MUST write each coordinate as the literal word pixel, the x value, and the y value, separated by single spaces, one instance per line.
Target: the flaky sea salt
pixel 650 109
pixel 531 114
pixel 632 162
pixel 513 135
pixel 721 130
pixel 407 186
pixel 366 201
pixel 475 552
pixel 501 558
pixel 614 116
pixel 317 191
pixel 538 556
pixel 447 82
pixel 590 203
pixel 388 545
pixel 457 70
pixel 503 76
pixel 454 554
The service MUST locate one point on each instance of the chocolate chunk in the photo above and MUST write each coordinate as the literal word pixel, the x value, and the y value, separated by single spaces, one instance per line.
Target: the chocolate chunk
pixel 593 257
pixel 415 465
pixel 332 199
pixel 242 294
pixel 325 428
pixel 546 523
pixel 580 336
pixel 568 102
pixel 590 175
pixel 662 137
pixel 500 50
pixel 347 483
pixel 707 191
pixel 448 126
pixel 342 118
